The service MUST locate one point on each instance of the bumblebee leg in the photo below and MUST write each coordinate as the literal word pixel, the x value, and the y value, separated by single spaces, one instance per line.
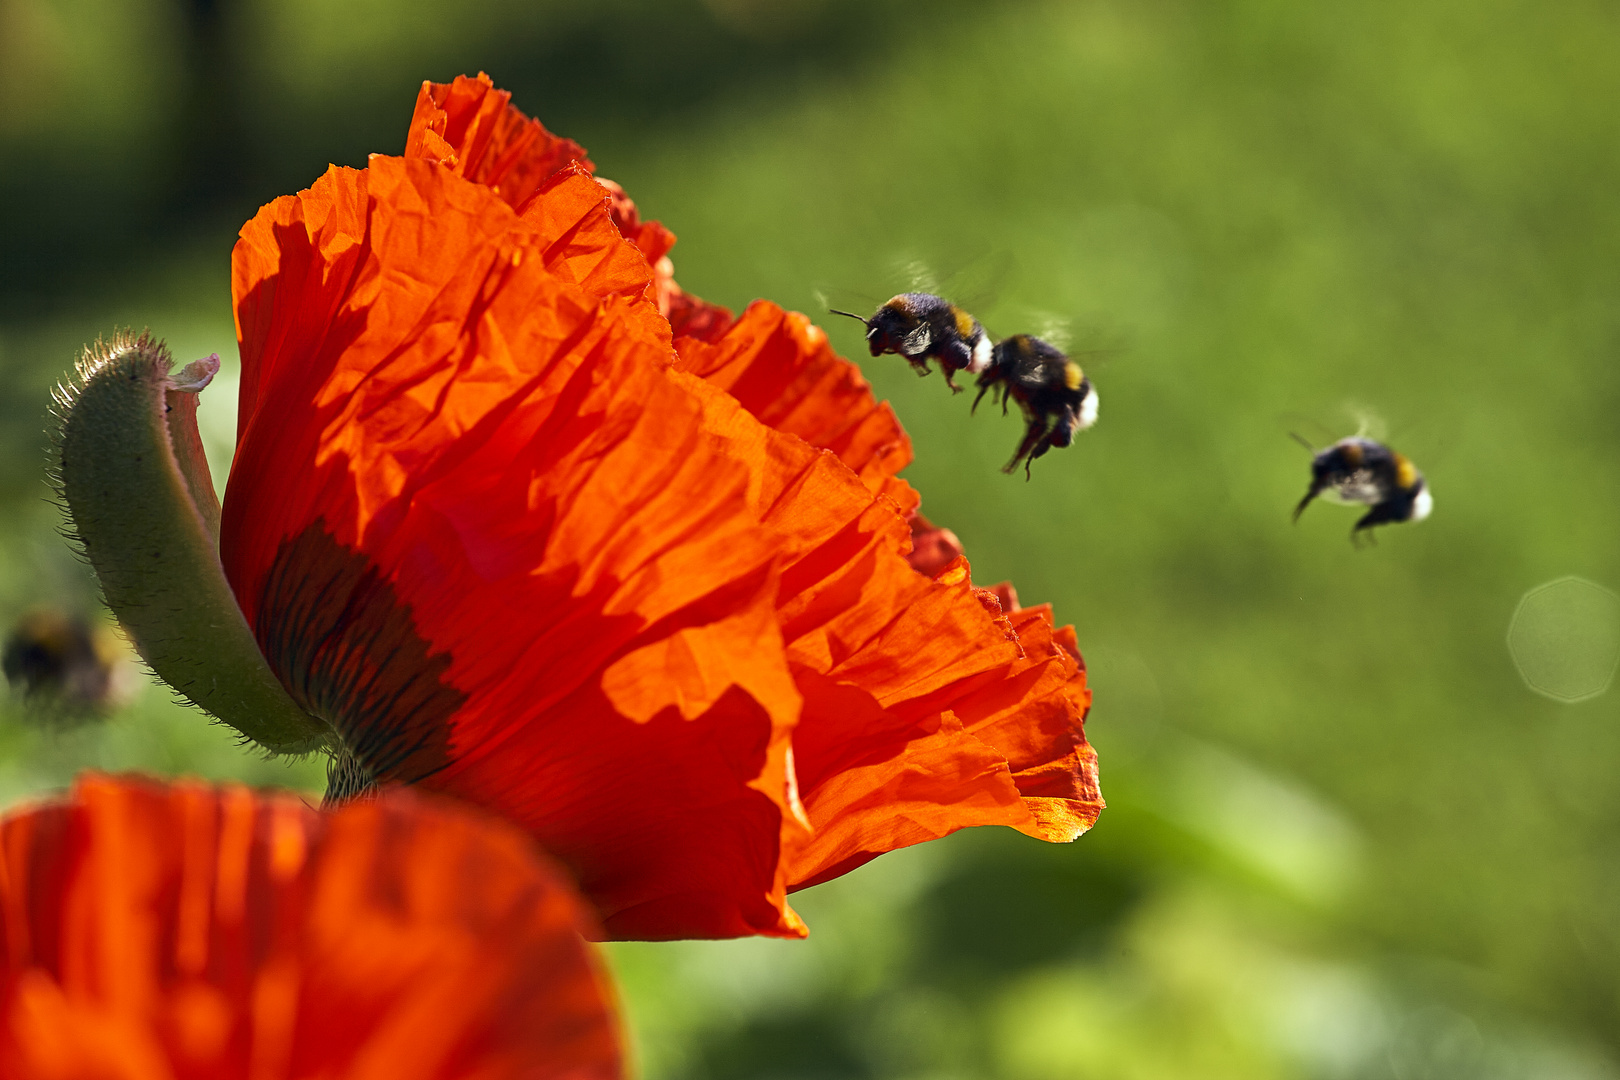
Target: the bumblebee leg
pixel 1316 489
pixel 957 357
pixel 1040 451
pixel 1033 436
pixel 1062 431
pixel 1384 513
pixel 920 366
pixel 984 388
pixel 918 341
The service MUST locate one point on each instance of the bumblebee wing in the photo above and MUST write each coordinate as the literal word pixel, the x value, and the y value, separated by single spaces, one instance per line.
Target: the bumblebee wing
pixel 862 301
pixel 1054 329
pixel 918 274
pixel 1307 430
pixel 916 343
pixel 971 278
pixel 979 279
pixel 1369 423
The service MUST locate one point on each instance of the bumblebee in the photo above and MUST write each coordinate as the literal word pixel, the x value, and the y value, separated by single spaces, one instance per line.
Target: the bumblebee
pixel 1359 471
pixel 53 656
pixel 1055 395
pixel 920 325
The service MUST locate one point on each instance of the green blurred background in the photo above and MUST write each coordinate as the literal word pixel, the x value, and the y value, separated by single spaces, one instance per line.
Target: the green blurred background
pixel 1345 839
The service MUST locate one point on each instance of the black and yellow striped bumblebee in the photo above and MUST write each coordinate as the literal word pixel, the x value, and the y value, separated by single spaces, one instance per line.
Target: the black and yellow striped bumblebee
pixel 61 660
pixel 919 325
pixel 1055 395
pixel 1359 471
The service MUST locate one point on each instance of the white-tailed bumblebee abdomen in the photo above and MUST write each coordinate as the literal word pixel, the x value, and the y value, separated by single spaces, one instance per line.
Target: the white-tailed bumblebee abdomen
pixel 1088 408
pixel 1422 504
pixel 983 351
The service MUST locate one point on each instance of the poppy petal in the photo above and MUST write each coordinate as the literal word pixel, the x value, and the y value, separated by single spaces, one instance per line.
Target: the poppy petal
pixel 688 315
pixel 535 565
pixel 471 127
pixel 926 709
pixel 972 719
pixel 781 368
pixel 503 512
pixel 188 931
pixel 777 363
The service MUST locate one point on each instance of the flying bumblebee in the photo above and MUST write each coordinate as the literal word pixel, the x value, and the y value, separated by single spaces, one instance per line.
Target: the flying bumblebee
pixel 1359 471
pixel 1056 397
pixel 919 325
pixel 63 660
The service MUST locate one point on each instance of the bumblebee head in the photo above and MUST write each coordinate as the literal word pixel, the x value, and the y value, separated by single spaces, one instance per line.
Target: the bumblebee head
pixel 1010 352
pixel 876 339
pixel 892 327
pixel 42 644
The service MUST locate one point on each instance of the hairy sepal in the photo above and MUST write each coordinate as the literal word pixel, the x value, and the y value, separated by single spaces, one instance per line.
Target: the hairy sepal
pixel 131 475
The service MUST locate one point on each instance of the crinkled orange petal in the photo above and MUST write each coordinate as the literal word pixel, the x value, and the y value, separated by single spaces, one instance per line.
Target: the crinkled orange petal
pixel 781 368
pixel 940 680
pixel 687 314
pixel 981 716
pixel 778 364
pixel 925 709
pixel 188 932
pixel 470 510
pixel 471 127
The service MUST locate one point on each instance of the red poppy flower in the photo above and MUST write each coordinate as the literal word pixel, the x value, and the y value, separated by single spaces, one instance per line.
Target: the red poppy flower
pixel 186 931
pixel 527 524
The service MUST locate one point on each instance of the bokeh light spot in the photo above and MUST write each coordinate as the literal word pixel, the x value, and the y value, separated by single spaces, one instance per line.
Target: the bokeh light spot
pixel 1565 639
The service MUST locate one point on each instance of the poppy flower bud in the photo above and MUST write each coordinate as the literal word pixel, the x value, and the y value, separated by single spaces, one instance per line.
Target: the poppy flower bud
pixel 132 477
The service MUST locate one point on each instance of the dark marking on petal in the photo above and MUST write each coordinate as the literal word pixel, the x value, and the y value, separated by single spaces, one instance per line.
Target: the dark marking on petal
pixel 339 638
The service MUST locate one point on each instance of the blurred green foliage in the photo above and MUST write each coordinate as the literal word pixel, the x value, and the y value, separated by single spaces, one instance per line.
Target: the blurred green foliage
pixel 1345 840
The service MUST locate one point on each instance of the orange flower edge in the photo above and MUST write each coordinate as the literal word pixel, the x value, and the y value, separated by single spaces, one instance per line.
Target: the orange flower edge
pixel 777 364
pixel 190 931
pixel 650 592
pixel 472 127
pixel 925 708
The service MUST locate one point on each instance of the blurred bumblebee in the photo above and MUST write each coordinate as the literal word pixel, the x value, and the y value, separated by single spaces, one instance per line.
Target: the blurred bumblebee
pixel 1359 471
pixel 60 660
pixel 1055 395
pixel 919 325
